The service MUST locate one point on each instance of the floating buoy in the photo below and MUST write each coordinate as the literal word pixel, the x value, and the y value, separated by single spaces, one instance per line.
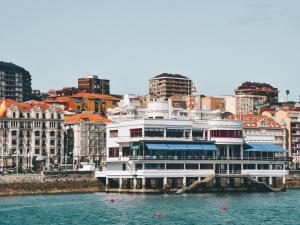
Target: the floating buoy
pixel 225 209
pixel 158 214
pixel 112 200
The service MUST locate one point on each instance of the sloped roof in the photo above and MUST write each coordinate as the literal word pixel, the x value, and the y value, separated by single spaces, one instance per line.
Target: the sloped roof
pixel 28 106
pixel 78 118
pixel 96 96
pixel 255 121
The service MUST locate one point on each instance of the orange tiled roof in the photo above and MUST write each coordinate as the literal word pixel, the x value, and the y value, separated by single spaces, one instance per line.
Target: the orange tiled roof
pixel 68 102
pixel 27 106
pixel 93 118
pixel 98 96
pixel 255 121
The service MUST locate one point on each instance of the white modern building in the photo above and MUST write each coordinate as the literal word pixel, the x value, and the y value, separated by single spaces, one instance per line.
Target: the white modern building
pixel 161 148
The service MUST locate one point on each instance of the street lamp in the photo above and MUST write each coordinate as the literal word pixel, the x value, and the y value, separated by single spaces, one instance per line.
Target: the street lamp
pixel 287 95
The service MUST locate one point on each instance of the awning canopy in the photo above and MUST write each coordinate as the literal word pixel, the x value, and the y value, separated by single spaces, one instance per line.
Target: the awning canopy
pixel 263 148
pixel 181 147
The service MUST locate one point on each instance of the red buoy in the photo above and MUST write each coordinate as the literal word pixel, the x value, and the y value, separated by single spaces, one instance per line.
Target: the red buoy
pixel 225 209
pixel 158 214
pixel 112 200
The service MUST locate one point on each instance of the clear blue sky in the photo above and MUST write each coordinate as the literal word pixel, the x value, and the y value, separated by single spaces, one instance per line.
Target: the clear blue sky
pixel 218 44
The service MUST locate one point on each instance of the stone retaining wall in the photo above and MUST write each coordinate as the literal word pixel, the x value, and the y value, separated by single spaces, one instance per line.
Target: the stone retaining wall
pixel 293 181
pixel 49 182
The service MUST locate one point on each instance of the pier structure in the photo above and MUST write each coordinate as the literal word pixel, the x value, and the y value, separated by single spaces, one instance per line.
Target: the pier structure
pixel 169 151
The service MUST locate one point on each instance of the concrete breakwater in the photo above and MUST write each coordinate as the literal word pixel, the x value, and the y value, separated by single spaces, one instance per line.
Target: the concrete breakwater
pixel 49 182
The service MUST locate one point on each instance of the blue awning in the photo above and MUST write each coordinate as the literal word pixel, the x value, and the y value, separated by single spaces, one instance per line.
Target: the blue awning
pixel 154 146
pixel 263 148
pixel 181 147
pixel 209 147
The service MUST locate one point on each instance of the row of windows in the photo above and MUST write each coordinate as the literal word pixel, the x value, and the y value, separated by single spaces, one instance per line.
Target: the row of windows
pixel 37 115
pixel 36 151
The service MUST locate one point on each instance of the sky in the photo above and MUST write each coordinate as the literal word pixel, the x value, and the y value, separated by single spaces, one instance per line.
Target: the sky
pixel 218 44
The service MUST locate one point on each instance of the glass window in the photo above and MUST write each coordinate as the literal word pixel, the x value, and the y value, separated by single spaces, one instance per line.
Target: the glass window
pixel 113 133
pixel 175 166
pixel 175 133
pixel 154 132
pixel 136 132
pixel 113 152
pixel 191 166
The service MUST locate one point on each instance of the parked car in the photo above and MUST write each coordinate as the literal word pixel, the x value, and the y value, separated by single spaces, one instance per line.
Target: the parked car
pixel 12 170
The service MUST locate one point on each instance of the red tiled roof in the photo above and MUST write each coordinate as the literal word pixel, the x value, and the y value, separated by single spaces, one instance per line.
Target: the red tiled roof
pixel 93 118
pixel 98 96
pixel 27 106
pixel 255 121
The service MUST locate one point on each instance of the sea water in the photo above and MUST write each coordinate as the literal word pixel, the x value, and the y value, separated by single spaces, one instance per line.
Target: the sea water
pixel 102 208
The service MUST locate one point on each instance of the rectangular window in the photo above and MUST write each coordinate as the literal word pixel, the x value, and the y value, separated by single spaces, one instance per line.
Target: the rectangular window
pixel 176 133
pixel 125 151
pixel 154 166
pixel 113 152
pixel 52 142
pixel 175 166
pixel 37 151
pixel 191 166
pixel 37 142
pixel 113 133
pixel 154 132
pixel 249 166
pixel 14 142
pixel 124 166
pixel 136 132
pixel 206 166
pixel 52 151
pixel 262 166
pixel 138 166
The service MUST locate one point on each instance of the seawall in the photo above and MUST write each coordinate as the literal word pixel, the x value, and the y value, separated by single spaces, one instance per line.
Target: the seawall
pixel 48 183
pixel 293 180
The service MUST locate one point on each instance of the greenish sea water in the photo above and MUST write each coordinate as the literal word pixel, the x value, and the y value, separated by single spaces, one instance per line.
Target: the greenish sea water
pixel 97 208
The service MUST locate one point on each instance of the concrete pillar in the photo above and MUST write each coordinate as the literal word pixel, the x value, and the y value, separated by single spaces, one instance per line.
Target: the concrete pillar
pixel 199 178
pixel 227 151
pixel 242 152
pixel 165 182
pixel 270 181
pixel 227 168
pixel 143 183
pixel 134 183
pixel 184 181
pixel 284 180
pixel 106 183
pixel 256 178
pixel 120 183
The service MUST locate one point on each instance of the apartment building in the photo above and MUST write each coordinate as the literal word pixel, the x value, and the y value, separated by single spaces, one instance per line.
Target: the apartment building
pixel 85 139
pixel 245 104
pixel 31 135
pixel 166 85
pixel 93 84
pixel 261 89
pixel 15 82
